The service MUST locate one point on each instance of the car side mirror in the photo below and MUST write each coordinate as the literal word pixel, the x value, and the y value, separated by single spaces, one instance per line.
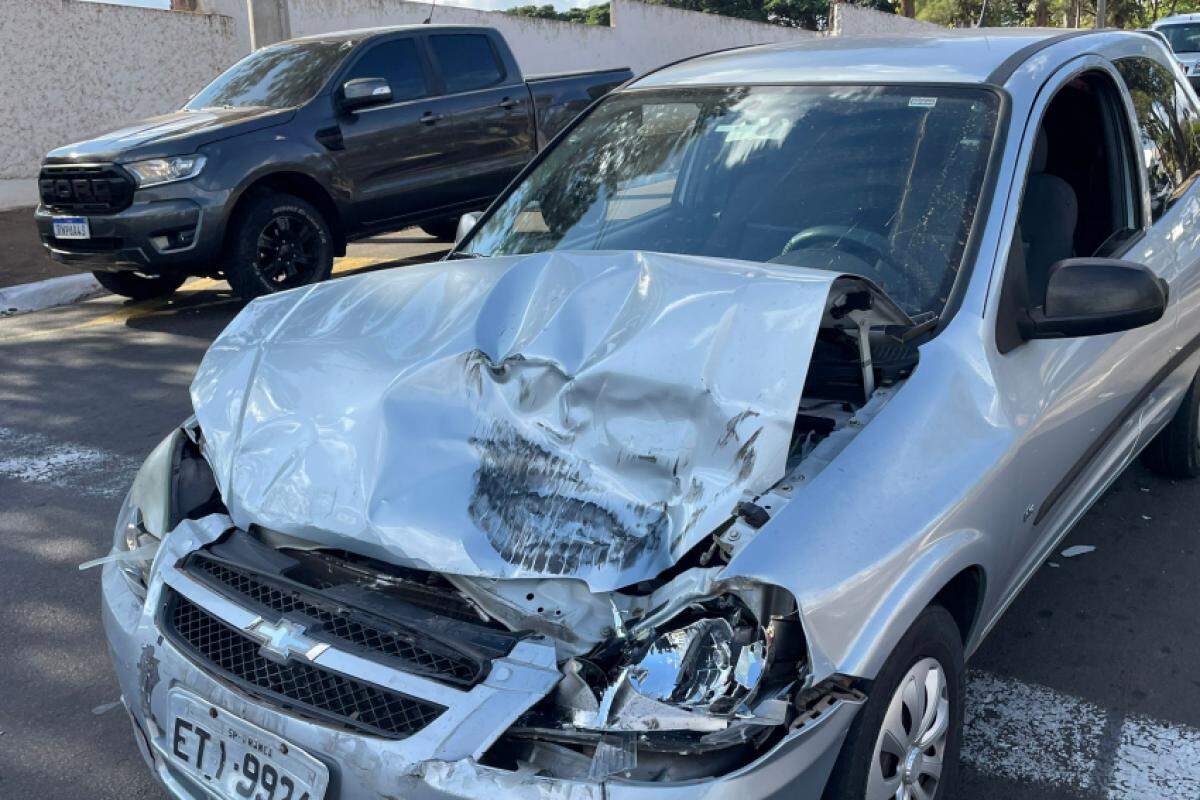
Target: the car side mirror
pixel 466 224
pixel 1093 296
pixel 363 92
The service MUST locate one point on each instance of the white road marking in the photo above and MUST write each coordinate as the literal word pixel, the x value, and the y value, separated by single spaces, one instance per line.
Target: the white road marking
pixel 1030 733
pixel 34 458
pixel 1156 762
pixel 1036 735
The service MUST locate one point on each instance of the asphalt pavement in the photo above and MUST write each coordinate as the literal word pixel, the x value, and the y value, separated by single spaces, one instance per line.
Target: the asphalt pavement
pixel 1087 689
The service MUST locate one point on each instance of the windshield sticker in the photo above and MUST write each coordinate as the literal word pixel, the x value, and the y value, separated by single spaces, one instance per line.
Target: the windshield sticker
pixel 922 102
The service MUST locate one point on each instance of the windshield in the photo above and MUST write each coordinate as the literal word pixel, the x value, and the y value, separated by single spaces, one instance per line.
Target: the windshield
pixel 878 181
pixel 282 76
pixel 1182 38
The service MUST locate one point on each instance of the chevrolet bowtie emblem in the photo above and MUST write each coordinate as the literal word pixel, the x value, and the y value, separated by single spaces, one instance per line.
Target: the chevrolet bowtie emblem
pixel 284 640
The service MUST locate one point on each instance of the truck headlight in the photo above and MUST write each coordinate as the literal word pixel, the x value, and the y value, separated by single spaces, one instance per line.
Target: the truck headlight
pixel 157 171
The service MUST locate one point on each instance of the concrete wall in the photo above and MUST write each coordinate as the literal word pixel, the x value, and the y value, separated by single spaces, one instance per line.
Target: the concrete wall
pixel 642 36
pixel 70 68
pixel 850 20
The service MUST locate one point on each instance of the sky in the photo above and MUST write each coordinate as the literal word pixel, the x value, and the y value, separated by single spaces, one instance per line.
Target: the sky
pixel 486 5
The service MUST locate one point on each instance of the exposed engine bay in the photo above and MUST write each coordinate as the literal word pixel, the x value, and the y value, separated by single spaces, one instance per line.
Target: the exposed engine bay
pixel 678 664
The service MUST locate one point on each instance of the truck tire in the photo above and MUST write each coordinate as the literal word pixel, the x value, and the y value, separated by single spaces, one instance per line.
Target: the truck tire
pixel 1175 452
pixel 136 286
pixel 444 229
pixel 277 241
pixel 889 744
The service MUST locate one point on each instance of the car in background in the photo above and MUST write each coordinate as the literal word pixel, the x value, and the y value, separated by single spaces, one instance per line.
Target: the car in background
pixel 267 173
pixel 1182 35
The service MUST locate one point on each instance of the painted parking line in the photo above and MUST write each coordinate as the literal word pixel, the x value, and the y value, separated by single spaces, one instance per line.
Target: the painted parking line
pixel 149 308
pixel 34 458
pixel 1039 736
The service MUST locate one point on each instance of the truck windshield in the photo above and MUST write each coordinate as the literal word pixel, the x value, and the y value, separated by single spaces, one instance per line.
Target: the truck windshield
pixel 877 181
pixel 1182 38
pixel 282 76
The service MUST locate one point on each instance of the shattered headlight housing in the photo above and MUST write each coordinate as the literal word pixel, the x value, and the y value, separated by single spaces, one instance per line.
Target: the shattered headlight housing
pixel 704 664
pixel 173 481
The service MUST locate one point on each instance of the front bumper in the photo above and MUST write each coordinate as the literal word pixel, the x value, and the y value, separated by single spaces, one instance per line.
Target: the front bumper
pixel 441 760
pixel 174 229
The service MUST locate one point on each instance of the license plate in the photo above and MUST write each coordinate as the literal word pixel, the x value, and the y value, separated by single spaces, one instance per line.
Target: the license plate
pixel 235 760
pixel 71 228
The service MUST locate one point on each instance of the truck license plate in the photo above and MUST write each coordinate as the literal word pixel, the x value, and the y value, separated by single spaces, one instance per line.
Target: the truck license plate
pixel 235 760
pixel 71 228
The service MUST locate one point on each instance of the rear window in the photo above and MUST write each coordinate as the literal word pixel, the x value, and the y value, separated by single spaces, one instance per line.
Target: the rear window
pixel 467 61
pixel 399 63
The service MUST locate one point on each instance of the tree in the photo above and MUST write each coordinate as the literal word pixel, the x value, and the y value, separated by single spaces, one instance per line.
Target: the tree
pixel 810 14
pixel 591 15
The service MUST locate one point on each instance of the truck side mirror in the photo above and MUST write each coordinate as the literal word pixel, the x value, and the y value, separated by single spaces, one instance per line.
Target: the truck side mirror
pixel 1093 296
pixel 363 92
pixel 466 223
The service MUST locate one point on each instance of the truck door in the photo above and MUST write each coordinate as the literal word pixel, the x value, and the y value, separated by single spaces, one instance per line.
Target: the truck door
pixel 488 119
pixel 390 154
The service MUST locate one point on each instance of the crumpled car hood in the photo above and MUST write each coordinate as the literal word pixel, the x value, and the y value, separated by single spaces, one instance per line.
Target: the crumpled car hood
pixel 591 415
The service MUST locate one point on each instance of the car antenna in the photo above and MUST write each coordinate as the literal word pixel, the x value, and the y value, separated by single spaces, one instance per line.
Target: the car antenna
pixel 432 6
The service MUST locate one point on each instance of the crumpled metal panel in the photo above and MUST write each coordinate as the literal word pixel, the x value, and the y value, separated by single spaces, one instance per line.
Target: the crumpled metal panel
pixel 563 414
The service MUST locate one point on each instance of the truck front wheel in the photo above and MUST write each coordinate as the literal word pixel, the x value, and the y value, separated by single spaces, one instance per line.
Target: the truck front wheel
pixel 444 229
pixel 277 241
pixel 136 286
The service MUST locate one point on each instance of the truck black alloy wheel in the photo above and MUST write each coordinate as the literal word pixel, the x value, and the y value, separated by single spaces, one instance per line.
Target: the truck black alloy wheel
pixel 136 286
pixel 278 242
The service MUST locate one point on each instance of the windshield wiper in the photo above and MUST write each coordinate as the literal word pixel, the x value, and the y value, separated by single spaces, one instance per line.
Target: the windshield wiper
pixel 454 255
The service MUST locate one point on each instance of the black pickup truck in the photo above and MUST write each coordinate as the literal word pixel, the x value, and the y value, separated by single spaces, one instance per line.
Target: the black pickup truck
pixel 266 174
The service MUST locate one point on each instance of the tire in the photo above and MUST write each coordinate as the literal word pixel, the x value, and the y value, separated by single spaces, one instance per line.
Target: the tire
pixel 136 286
pixel 865 762
pixel 1175 452
pixel 444 230
pixel 277 242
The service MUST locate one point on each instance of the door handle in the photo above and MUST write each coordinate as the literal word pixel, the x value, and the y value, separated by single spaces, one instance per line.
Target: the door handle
pixel 430 118
pixel 508 102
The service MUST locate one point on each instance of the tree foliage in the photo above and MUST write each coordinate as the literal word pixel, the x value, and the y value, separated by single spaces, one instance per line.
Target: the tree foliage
pixel 592 15
pixel 1049 13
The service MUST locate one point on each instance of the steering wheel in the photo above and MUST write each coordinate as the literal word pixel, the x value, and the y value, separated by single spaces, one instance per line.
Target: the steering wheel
pixel 866 245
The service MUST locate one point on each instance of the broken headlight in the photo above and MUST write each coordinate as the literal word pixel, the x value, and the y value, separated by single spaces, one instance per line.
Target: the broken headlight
pixel 173 482
pixel 705 664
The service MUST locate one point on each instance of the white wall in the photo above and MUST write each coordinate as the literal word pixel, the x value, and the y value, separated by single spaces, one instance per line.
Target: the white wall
pixel 851 20
pixel 642 36
pixel 71 68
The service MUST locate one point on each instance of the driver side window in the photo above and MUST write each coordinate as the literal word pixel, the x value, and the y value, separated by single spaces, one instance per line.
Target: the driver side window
pixel 1079 195
pixel 399 63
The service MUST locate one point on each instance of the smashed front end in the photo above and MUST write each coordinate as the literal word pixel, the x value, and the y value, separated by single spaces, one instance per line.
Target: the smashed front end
pixel 498 564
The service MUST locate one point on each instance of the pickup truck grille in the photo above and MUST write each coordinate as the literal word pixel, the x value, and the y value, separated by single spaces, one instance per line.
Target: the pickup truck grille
pixel 87 188
pixel 338 625
pixel 307 688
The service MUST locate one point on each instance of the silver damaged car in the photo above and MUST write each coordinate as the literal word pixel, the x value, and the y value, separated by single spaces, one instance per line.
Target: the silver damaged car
pixel 703 462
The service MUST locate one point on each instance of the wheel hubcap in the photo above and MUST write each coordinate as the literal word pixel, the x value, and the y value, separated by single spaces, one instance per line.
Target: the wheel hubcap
pixel 288 251
pixel 908 756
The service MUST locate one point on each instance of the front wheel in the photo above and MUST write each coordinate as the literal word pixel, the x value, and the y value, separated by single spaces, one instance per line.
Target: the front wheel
pixel 904 743
pixel 277 242
pixel 136 286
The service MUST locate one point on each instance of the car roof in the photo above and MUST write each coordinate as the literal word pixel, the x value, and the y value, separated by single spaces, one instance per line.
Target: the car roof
pixel 1176 19
pixel 967 57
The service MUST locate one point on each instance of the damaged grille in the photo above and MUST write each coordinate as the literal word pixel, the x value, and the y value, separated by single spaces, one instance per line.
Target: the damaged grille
pixel 309 689
pixel 332 622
